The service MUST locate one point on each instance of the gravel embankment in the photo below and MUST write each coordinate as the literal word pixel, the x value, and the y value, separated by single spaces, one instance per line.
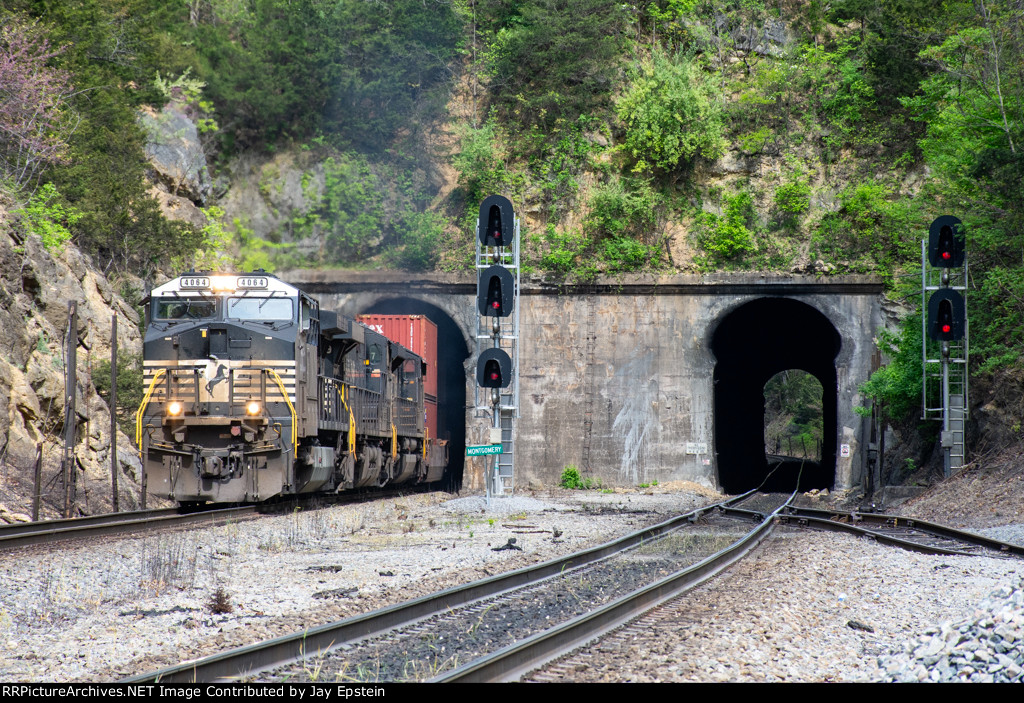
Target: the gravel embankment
pixel 986 647
pixel 793 613
pixel 101 610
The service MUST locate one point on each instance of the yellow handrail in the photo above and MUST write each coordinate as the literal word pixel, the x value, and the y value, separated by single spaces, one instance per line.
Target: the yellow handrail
pixel 351 424
pixel 142 409
pixel 295 420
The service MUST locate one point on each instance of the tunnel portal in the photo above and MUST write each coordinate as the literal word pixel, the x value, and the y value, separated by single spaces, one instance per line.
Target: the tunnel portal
pixel 451 381
pixel 751 344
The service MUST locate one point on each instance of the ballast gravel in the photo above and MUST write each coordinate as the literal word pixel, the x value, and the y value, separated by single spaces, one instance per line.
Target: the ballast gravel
pixel 100 610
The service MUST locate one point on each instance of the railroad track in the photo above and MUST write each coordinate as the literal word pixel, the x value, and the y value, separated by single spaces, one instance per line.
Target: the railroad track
pixel 441 637
pixel 915 535
pixel 908 533
pixel 134 522
pixel 513 662
pixel 309 652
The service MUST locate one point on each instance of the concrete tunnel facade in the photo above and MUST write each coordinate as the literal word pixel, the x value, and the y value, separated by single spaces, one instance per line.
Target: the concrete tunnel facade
pixel 670 370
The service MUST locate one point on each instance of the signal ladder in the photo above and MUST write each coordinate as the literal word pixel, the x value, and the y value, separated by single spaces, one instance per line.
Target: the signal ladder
pixel 588 384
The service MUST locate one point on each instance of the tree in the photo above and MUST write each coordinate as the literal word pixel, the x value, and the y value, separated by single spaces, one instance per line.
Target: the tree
pixel 973 107
pixel 551 59
pixel 35 119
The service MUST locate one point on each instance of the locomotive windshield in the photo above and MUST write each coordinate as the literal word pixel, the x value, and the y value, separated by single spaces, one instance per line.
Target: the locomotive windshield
pixel 269 309
pixel 185 308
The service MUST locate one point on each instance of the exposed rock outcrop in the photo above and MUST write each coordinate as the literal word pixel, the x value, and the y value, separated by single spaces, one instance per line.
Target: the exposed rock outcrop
pixel 175 152
pixel 35 287
pixel 267 195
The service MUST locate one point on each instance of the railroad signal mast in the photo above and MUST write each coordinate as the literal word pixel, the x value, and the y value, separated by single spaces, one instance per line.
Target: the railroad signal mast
pixel 945 335
pixel 497 344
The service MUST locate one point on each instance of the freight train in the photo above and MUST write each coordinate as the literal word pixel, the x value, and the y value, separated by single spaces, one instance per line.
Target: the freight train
pixel 252 391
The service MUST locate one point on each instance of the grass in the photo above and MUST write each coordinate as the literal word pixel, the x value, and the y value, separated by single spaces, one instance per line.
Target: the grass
pixel 572 479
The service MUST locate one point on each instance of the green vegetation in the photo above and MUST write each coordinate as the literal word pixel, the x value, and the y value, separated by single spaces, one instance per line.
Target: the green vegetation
pixel 793 414
pixel 550 61
pixel 129 388
pixel 729 235
pixel 572 479
pixel 896 387
pixel 480 163
pixel 871 231
pixel 822 136
pixel 46 216
pixel 671 114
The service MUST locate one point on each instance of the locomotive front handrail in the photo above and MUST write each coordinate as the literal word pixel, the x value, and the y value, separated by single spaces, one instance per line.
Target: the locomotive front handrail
pixel 142 409
pixel 291 409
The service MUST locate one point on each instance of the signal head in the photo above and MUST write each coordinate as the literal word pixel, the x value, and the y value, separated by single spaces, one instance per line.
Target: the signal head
pixel 946 247
pixel 494 368
pixel 946 315
pixel 495 293
pixel 497 223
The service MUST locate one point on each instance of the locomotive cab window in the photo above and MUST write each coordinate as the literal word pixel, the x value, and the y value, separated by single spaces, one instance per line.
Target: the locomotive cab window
pixel 185 309
pixel 411 372
pixel 375 355
pixel 260 309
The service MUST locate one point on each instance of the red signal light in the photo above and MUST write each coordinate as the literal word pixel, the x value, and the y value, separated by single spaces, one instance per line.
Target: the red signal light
pixel 946 328
pixel 946 255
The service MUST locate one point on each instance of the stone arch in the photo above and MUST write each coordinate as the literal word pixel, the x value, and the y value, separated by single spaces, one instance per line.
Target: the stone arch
pixel 751 343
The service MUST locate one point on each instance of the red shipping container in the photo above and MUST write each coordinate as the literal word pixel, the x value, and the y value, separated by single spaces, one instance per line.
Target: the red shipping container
pixel 416 333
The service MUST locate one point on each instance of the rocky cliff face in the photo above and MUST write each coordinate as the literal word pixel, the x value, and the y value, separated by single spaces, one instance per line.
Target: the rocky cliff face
pixel 35 287
pixel 177 164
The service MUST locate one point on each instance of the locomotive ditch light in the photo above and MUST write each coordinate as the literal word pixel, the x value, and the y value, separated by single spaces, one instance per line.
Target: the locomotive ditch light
pixel 252 407
pixel 175 408
pixel 497 221
pixel 946 247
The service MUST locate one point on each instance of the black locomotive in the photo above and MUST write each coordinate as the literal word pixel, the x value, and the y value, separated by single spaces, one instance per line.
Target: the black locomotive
pixel 252 391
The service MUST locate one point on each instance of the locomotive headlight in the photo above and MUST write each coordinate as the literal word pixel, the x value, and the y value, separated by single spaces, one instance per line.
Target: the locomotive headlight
pixel 252 407
pixel 174 408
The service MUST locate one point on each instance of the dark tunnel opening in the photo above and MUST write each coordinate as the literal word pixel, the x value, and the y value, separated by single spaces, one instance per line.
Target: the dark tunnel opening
pixel 451 378
pixel 751 345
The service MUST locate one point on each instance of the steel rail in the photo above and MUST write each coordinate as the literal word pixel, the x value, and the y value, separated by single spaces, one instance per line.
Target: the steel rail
pixel 18 528
pixel 870 524
pixel 28 533
pixel 45 531
pixel 514 661
pixel 281 651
